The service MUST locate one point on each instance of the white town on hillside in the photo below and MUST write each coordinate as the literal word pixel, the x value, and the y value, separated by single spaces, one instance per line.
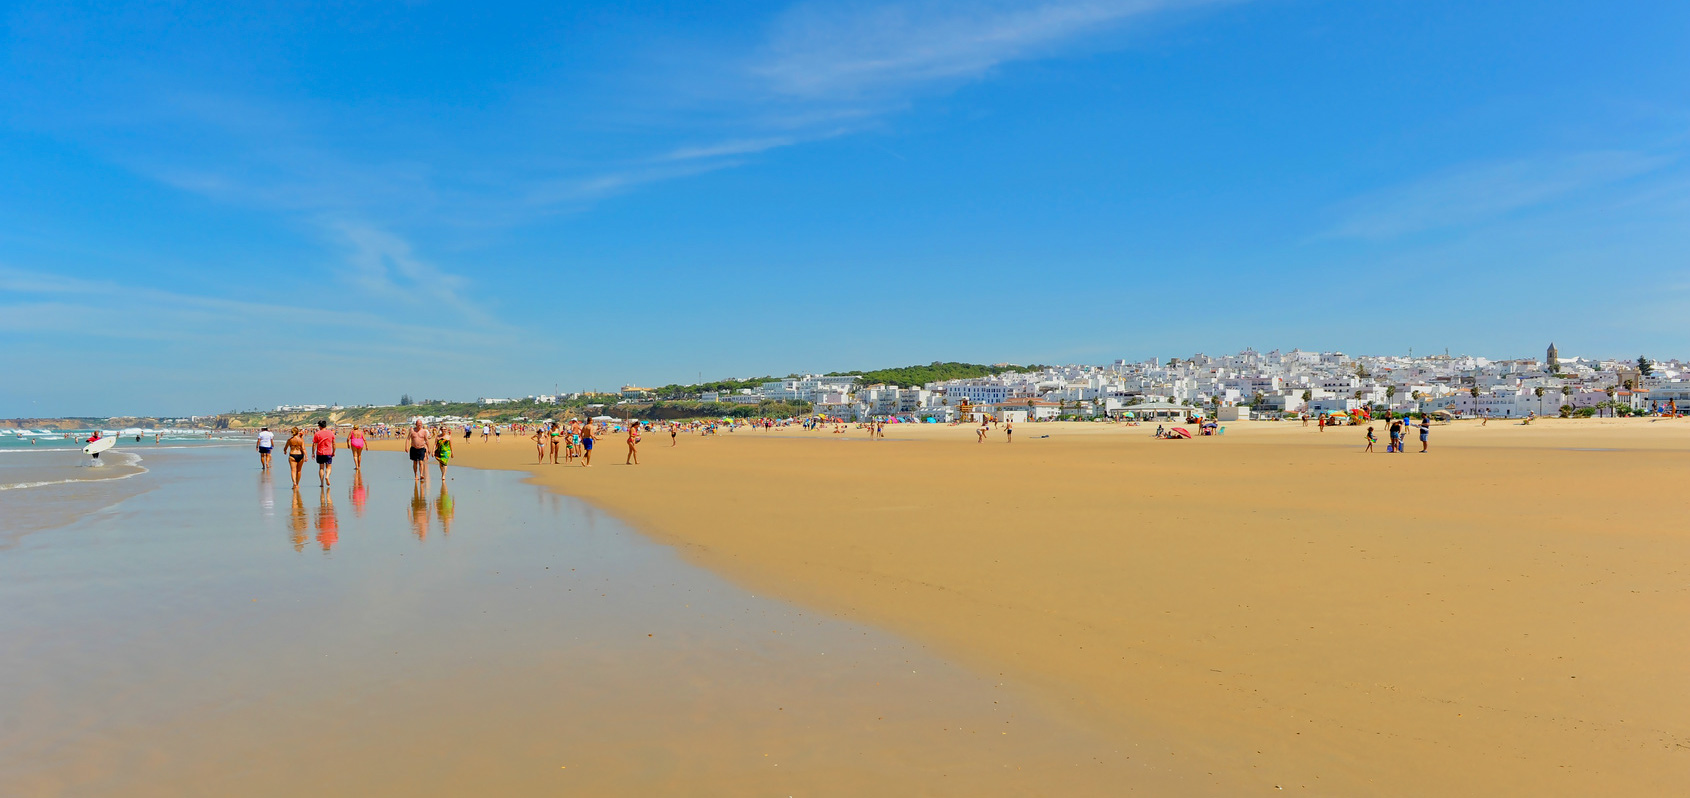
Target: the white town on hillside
pixel 1246 385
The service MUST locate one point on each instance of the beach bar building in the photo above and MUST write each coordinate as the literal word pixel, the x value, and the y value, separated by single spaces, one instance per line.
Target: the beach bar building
pixel 1153 411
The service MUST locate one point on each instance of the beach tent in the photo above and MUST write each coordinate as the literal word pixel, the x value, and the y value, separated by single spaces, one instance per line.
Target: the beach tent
pixel 604 418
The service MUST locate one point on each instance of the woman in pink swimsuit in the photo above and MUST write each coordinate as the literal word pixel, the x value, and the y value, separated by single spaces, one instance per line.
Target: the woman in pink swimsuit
pixel 355 442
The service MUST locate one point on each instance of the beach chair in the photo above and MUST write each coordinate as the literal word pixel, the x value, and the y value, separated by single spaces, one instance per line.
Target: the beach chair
pixel 1220 431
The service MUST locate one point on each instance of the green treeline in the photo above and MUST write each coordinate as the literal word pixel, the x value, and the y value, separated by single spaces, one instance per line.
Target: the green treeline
pixel 915 376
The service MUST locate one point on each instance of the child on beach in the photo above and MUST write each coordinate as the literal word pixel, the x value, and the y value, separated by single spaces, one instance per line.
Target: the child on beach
pixel 1371 439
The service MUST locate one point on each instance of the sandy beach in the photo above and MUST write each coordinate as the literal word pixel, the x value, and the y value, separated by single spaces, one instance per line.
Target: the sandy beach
pixel 1273 608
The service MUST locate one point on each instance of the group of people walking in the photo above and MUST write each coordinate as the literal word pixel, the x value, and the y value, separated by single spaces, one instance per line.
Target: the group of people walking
pixel 575 439
pixel 323 446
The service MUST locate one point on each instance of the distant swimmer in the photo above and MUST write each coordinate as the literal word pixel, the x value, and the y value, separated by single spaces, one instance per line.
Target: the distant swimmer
pixel 266 442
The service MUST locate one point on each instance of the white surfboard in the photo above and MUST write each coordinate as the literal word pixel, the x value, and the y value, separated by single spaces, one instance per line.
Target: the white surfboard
pixel 99 446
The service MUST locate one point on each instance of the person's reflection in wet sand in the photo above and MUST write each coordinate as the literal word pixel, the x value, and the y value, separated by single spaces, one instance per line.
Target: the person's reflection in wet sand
pixel 328 526
pixel 266 494
pixel 359 493
pixel 297 522
pixel 419 512
pixel 443 506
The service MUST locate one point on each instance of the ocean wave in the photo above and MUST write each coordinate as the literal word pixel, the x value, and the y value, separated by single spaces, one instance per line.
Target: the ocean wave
pixel 134 463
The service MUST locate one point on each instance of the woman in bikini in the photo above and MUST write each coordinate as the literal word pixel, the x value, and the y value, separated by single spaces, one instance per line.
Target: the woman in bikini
pixel 540 444
pixel 295 448
pixel 633 445
pixel 555 434
pixel 355 442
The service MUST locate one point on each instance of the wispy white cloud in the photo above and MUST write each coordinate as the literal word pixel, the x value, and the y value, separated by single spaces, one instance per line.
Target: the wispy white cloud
pixel 386 266
pixel 43 303
pixel 727 148
pixel 852 49
pixel 1482 192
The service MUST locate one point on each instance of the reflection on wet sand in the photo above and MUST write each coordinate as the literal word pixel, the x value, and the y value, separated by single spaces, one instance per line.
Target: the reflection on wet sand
pixel 444 508
pixel 328 526
pixel 266 494
pixel 552 652
pixel 297 523
pixel 419 511
pixel 359 493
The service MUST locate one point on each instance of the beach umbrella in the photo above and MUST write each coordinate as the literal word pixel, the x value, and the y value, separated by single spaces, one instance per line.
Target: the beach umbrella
pixel 1181 432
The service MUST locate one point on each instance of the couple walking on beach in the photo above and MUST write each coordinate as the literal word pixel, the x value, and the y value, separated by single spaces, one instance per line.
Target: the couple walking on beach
pixel 323 445
pixel 418 441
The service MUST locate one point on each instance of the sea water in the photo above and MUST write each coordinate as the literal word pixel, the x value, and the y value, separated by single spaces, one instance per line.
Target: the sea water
pixel 202 628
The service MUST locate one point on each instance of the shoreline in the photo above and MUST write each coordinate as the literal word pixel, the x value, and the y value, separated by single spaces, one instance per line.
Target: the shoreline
pixel 1243 601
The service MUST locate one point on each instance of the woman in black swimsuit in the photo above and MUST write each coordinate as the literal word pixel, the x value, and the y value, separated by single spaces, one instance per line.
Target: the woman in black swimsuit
pixel 295 448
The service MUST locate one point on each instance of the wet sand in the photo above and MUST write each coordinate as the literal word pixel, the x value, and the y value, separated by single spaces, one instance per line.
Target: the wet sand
pixel 216 634
pixel 1272 608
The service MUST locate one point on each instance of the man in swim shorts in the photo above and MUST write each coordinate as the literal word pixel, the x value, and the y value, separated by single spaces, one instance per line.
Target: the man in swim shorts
pixel 323 441
pixel 417 440
pixel 266 442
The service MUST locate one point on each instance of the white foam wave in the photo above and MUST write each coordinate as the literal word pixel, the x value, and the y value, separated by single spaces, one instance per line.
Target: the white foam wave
pixel 136 464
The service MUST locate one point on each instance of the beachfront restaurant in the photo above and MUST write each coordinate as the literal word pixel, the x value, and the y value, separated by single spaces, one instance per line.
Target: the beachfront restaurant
pixel 1154 411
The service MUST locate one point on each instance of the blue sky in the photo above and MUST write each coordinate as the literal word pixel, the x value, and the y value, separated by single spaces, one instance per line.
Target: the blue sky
pixel 206 207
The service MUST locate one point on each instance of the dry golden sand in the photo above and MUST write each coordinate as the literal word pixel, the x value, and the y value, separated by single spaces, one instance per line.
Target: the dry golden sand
pixel 1272 608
